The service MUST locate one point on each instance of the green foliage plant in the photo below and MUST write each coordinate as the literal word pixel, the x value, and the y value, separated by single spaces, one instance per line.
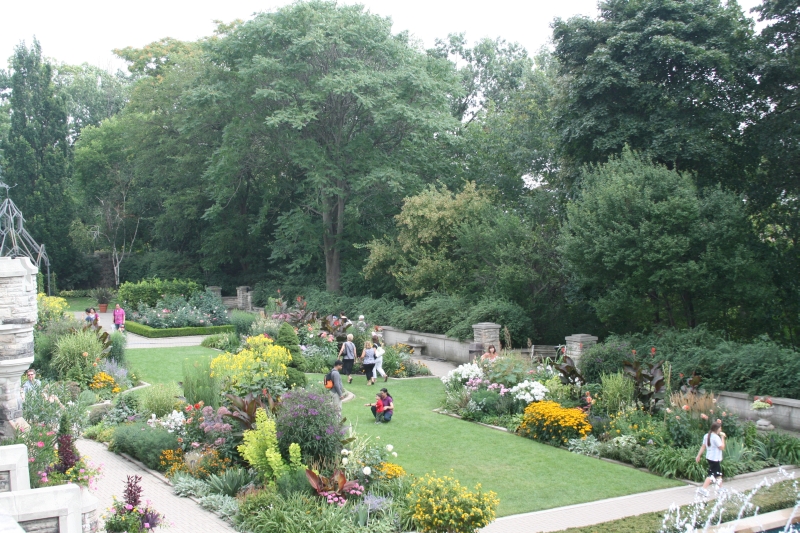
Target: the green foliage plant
pixel 198 383
pixel 242 321
pixel 309 419
pixel 442 505
pixel 118 343
pixel 156 333
pixel 617 391
pixel 230 482
pixel 227 342
pixel 143 442
pixel 287 337
pixel 160 399
pixel 76 355
pixel 295 378
pixel 149 291
pixel 260 449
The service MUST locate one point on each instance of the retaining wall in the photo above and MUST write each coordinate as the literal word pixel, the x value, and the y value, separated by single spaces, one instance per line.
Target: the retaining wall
pixel 785 414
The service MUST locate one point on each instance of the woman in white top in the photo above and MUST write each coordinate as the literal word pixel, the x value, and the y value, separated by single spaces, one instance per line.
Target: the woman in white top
pixel 713 444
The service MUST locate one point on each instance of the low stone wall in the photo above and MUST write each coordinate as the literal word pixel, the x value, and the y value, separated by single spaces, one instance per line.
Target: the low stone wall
pixel 439 346
pixel 785 414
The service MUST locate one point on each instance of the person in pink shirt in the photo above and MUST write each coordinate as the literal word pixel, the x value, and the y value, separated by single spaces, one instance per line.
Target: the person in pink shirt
pixel 119 318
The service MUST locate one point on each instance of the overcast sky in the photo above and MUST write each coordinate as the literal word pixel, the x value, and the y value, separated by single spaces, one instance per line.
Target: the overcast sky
pixel 81 31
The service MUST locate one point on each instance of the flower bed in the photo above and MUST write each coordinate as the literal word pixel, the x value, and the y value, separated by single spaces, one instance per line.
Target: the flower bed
pixel 153 333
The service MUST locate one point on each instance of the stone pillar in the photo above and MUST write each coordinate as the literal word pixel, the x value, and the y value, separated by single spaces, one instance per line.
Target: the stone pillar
pixel 577 344
pixel 487 333
pixel 215 290
pixel 17 318
pixel 243 298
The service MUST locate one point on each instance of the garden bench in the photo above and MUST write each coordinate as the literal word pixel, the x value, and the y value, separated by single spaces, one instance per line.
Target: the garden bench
pixel 418 346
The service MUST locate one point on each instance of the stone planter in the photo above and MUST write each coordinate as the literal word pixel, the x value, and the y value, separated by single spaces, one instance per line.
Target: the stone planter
pixel 763 418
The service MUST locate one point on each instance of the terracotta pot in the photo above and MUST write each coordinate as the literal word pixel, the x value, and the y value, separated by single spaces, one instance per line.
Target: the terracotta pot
pixel 103 307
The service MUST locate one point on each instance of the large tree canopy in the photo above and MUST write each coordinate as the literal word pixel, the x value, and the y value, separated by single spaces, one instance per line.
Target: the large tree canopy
pixel 337 105
pixel 669 78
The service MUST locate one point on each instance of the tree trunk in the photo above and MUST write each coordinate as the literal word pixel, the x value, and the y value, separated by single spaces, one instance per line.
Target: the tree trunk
pixel 333 222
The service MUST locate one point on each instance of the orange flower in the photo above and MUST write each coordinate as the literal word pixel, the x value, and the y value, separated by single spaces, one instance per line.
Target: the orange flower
pixel 85 354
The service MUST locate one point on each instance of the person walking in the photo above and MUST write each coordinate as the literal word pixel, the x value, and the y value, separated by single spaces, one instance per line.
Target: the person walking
pixel 368 362
pixel 347 353
pixel 713 444
pixel 337 391
pixel 119 318
pixel 379 351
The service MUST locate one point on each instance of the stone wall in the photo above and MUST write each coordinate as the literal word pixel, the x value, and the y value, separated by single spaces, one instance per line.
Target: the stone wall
pixel 438 346
pixel 785 414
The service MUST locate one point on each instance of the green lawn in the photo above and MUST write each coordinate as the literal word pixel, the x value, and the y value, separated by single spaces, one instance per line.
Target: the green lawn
pixel 80 304
pixel 163 365
pixel 526 475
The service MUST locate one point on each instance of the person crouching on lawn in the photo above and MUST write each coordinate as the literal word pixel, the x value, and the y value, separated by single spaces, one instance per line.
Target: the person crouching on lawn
pixel 377 408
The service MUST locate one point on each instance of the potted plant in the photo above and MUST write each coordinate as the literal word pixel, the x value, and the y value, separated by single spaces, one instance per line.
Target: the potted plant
pixel 103 296
pixel 762 407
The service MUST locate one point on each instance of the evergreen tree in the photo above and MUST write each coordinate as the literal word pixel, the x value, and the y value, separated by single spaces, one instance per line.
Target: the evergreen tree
pixel 287 337
pixel 37 155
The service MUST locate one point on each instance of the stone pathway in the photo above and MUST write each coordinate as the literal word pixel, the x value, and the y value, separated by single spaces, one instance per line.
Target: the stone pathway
pixel 185 515
pixel 587 514
pixel 106 320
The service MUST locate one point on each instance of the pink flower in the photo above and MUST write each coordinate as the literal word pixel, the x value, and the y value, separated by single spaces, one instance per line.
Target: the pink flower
pixel 195 445
pixel 128 506
pixel 704 416
pixel 40 444
pixel 147 525
pixel 685 407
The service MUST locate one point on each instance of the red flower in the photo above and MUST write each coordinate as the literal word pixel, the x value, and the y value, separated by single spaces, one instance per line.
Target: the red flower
pixel 198 405
pixel 633 352
pixel 653 350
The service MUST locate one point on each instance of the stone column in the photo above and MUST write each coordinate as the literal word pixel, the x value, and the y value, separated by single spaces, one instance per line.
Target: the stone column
pixel 577 344
pixel 17 317
pixel 243 298
pixel 487 333
pixel 215 290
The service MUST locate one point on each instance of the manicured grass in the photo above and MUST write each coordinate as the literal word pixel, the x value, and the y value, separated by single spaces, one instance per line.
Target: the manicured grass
pixel 526 475
pixel 163 365
pixel 80 304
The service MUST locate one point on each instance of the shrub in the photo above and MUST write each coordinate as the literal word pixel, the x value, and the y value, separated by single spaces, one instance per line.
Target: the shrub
pixel 617 391
pixel 98 412
pixel 260 449
pixel 550 423
pixel 677 463
pixel 266 512
pixel 287 337
pixel 265 326
pixel 185 485
pixel 143 442
pixel 49 309
pixel 295 378
pixel 318 360
pixel 227 342
pixel 118 343
pixel 76 356
pixel 160 399
pixel 149 291
pixel 124 410
pixel 198 383
pixel 260 365
pixel 154 333
pixel 293 481
pixel 202 309
pixel 604 358
pixel 58 399
pixel 443 505
pixel 310 420
pixel 242 321
pixel 503 312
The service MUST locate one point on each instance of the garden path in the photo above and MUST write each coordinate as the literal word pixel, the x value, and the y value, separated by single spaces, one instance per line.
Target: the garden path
pixel 587 514
pixel 185 515
pixel 438 367
pixel 106 320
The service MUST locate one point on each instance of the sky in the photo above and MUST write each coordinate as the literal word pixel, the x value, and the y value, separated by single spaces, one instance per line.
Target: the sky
pixel 86 31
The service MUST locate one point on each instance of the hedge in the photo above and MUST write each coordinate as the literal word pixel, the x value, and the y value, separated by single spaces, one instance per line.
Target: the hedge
pixel 153 333
pixel 149 291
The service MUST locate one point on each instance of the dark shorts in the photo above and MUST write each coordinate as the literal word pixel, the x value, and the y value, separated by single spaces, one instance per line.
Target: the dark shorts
pixel 715 469
pixel 347 366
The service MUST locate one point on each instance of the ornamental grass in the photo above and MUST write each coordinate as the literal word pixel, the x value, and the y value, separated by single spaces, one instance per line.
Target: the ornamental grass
pixel 553 424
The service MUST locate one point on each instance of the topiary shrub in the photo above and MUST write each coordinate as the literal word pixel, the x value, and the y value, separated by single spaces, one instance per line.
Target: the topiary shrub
pixel 295 378
pixel 150 291
pixel 287 337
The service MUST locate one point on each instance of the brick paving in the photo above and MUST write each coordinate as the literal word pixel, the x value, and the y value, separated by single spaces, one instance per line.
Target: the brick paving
pixel 587 514
pixel 185 515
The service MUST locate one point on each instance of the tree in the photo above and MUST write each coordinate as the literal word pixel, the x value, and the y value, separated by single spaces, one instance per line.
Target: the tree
pixel 669 78
pixel 642 241
pixel 336 105
pixel 105 175
pixel 37 155
pixel 92 94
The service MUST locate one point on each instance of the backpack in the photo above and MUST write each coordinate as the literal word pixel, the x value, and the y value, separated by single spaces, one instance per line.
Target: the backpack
pixel 328 381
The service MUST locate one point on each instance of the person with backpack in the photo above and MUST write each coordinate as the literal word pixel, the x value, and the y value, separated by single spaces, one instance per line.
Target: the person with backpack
pixel 713 444
pixel 333 382
pixel 349 350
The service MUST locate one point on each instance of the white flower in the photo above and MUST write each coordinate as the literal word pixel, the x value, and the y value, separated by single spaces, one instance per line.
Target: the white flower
pixel 462 374
pixel 529 391
pixel 394 454
pixel 345 461
pixel 389 447
pixel 345 452
pixel 367 471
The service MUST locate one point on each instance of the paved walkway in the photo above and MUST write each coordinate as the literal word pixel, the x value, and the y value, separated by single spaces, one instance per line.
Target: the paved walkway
pixel 184 514
pixel 587 514
pixel 106 320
